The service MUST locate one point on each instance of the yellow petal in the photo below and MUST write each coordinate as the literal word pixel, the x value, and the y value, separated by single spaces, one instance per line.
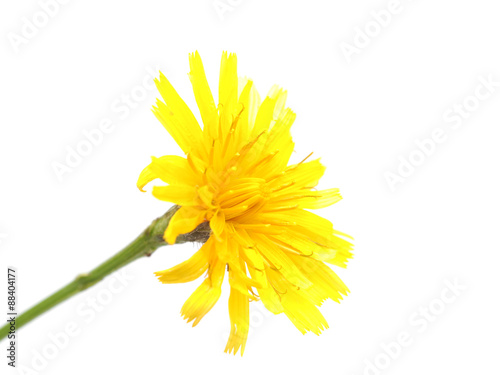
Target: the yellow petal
pixel 320 230
pixel 269 110
pixel 294 241
pixel 302 175
pixel 238 278
pixel 298 307
pixel 264 116
pixel 146 176
pixel 239 314
pixel 303 314
pixel 318 199
pixel 217 223
pixel 276 257
pixel 185 220
pixel 325 283
pixel 178 194
pixel 202 93
pixel 302 218
pixel 176 117
pixel 188 270
pixel 243 126
pixel 171 169
pixel 256 268
pixel 249 101
pixel 271 300
pixel 343 249
pixel 279 141
pixel 205 296
pixel 228 91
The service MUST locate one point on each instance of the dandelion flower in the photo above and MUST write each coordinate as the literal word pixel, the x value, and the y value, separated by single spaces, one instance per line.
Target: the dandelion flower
pixel 235 178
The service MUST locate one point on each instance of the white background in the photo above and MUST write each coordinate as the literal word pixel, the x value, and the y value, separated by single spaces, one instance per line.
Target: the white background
pixel 438 226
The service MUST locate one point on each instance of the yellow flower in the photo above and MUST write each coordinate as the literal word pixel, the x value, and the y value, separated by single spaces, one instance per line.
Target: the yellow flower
pixel 236 177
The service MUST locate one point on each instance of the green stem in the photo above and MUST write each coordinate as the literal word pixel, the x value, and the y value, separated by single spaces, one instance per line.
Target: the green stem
pixel 144 245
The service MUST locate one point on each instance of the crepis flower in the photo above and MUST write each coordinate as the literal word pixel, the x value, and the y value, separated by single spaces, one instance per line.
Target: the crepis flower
pixel 235 178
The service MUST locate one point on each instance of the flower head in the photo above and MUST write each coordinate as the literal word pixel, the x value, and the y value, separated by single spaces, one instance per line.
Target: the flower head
pixel 235 176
